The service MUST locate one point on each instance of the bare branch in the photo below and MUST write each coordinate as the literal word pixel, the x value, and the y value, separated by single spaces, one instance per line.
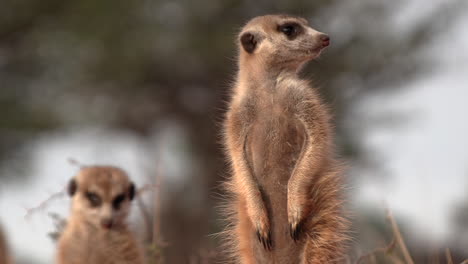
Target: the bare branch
pixel 43 204
pixel 76 163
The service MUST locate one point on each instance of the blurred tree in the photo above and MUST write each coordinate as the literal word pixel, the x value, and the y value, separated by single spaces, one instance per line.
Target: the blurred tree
pixel 128 65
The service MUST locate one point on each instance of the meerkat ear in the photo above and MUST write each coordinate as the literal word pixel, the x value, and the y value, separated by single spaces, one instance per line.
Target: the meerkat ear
pixel 250 40
pixel 72 187
pixel 131 191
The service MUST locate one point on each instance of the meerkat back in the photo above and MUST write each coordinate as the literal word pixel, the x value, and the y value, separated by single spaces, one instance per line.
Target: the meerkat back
pixel 286 183
pixel 96 231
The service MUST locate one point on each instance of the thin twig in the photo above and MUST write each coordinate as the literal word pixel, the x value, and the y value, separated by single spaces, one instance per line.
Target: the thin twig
pixel 74 162
pixel 43 204
pixel 399 238
pixel 147 187
pixel 157 238
pixel 145 213
pixel 54 196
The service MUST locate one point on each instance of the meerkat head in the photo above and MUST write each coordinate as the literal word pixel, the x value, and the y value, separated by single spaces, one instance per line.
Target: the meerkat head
pixel 281 40
pixel 101 196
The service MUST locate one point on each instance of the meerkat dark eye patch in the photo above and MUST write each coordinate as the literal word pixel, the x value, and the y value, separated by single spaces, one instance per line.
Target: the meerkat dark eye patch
pixel 290 29
pixel 72 187
pixel 131 191
pixel 117 202
pixel 93 199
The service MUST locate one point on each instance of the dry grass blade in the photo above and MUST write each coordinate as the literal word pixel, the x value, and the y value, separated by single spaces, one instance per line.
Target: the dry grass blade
pixel 435 257
pixel 386 250
pixel 449 256
pixel 145 213
pixel 465 261
pixel 396 260
pixel 399 238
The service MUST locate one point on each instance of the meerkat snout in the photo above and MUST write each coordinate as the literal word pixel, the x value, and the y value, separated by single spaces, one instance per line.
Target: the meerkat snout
pixel 325 40
pixel 107 223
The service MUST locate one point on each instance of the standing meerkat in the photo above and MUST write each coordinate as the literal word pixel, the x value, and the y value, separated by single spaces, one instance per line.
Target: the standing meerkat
pixel 96 231
pixel 287 205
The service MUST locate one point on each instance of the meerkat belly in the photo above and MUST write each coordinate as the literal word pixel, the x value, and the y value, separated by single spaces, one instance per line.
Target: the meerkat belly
pixel 274 146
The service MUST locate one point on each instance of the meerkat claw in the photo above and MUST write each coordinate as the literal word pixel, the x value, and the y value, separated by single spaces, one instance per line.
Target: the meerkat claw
pixel 265 239
pixel 295 231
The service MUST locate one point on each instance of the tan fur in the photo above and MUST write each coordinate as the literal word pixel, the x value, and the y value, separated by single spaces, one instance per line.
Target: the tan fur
pixel 5 257
pixel 85 239
pixel 286 183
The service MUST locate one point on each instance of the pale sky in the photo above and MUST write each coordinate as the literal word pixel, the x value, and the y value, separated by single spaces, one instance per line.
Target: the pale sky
pixel 427 157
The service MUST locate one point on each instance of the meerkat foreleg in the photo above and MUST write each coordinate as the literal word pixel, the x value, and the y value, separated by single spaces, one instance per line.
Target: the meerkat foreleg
pixel 247 185
pixel 300 182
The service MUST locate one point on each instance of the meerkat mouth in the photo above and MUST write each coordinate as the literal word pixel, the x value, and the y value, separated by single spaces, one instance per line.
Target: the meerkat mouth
pixel 324 44
pixel 315 50
pixel 318 49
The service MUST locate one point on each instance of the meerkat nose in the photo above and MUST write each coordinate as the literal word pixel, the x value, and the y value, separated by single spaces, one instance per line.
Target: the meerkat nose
pixel 106 223
pixel 325 40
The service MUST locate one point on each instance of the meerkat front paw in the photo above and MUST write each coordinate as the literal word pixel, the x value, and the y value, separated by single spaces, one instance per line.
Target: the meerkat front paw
pixel 258 215
pixel 295 225
pixel 261 222
pixel 264 237
pixel 297 212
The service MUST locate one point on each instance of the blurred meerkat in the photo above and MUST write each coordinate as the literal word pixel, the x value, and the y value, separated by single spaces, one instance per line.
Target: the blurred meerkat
pixel 287 205
pixel 96 231
pixel 5 257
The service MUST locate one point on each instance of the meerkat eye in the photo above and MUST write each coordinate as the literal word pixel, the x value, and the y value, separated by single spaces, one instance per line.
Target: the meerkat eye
pixel 93 199
pixel 118 201
pixel 287 30
pixel 291 30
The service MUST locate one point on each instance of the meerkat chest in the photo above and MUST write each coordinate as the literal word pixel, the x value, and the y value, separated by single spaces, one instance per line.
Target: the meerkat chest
pixel 275 117
pixel 276 138
pixel 99 248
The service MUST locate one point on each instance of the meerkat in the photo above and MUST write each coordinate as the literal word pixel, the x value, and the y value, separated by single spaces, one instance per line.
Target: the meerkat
pixel 5 257
pixel 96 231
pixel 286 181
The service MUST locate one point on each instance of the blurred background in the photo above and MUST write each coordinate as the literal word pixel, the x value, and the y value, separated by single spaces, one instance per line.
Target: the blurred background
pixel 143 85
